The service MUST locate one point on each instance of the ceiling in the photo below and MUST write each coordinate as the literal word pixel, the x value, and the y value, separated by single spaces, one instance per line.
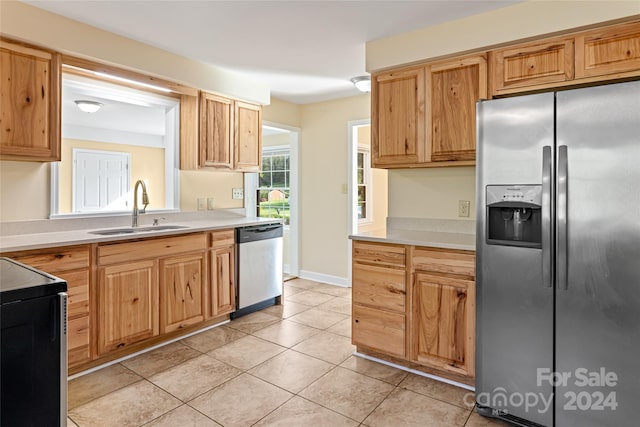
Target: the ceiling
pixel 305 51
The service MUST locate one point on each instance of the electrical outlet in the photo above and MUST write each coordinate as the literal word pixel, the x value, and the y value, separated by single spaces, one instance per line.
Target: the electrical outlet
pixel 344 188
pixel 463 208
pixel 237 193
pixel 211 203
pixel 202 204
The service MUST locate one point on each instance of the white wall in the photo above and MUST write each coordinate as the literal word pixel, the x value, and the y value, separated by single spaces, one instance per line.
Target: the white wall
pixel 323 172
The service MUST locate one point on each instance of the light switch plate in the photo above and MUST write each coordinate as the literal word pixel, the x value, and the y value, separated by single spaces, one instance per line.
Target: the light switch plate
pixel 202 204
pixel 463 208
pixel 211 203
pixel 237 193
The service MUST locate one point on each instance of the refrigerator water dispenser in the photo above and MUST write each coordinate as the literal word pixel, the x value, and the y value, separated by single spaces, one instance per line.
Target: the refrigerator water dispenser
pixel 514 215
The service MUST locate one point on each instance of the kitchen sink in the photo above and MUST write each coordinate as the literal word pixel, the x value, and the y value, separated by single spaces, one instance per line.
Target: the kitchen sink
pixel 131 230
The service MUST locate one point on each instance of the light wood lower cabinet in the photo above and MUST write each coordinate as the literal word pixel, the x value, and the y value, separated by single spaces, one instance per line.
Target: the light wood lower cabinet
pixel 182 281
pixel 416 304
pixel 444 322
pixel 379 297
pixel 71 264
pixel 222 273
pixel 149 287
pixel 379 329
pixel 127 304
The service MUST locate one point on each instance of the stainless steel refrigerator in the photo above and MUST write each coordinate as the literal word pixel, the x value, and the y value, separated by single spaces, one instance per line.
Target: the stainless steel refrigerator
pixel 558 257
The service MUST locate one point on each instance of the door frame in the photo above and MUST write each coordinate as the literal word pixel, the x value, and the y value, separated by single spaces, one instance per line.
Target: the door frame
pixel 251 184
pixel 352 167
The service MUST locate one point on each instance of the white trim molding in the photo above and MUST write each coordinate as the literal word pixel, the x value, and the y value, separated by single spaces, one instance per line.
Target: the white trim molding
pixel 324 278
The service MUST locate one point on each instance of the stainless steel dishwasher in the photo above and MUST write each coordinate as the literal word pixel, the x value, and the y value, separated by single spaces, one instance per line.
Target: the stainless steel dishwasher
pixel 259 272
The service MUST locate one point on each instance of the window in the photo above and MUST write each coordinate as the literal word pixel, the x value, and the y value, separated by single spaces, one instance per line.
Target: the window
pixel 274 185
pixel 134 135
pixel 363 169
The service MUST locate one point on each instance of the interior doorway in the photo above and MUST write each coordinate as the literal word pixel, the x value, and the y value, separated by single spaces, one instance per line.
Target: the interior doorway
pixel 367 187
pixel 273 192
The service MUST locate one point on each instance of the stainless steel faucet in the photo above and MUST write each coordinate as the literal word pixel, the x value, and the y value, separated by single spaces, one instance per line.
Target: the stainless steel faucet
pixel 145 202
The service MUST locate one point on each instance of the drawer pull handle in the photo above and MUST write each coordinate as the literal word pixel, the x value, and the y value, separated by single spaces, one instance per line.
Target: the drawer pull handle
pixel 356 320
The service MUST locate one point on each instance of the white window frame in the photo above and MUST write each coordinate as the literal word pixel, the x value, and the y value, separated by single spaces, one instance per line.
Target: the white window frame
pixel 275 150
pixel 171 163
pixel 367 175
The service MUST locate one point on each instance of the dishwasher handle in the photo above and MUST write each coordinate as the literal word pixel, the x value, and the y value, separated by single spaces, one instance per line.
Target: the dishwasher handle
pixel 256 233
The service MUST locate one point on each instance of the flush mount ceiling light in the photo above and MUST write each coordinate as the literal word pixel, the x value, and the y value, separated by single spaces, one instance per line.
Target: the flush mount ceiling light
pixel 363 83
pixel 88 106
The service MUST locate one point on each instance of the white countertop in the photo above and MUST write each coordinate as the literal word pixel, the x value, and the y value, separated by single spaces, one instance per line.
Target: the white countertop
pixel 444 234
pixel 69 237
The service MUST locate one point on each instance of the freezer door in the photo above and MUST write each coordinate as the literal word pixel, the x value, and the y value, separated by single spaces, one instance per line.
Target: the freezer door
pixel 514 336
pixel 598 295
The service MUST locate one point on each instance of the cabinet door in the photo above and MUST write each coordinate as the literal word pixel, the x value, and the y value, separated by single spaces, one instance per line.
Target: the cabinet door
pixel 444 322
pixel 127 304
pixel 182 280
pixel 30 103
pixel 248 137
pixel 379 330
pixel 532 66
pixel 223 292
pixel 398 118
pixel 454 89
pixel 216 131
pixel 610 50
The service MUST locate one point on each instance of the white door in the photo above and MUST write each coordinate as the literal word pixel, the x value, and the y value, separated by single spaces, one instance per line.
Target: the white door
pixel 100 179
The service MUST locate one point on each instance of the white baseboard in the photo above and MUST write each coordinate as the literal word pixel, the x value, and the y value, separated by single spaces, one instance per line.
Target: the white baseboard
pixel 324 278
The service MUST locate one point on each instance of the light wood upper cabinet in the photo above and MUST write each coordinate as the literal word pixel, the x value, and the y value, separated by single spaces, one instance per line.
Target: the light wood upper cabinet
pixel 248 137
pixel 586 57
pixel 230 133
pixel 532 64
pixel 182 281
pixel 398 118
pixel 127 304
pixel 606 51
pixel 29 103
pixel 222 273
pixel 425 116
pixel 454 88
pixel 216 131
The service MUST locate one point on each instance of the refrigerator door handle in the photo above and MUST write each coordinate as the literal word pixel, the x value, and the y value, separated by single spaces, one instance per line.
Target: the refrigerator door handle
pixel 547 281
pixel 561 266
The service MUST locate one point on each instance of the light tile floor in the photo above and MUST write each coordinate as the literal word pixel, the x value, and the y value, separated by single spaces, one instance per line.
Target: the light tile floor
pixel 288 365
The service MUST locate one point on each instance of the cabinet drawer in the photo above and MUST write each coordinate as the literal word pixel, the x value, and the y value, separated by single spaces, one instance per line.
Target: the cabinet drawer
pixel 379 287
pixel 224 238
pixel 78 340
pixel 444 261
pixel 151 248
pixel 56 260
pixel 379 254
pixel 78 292
pixel 379 330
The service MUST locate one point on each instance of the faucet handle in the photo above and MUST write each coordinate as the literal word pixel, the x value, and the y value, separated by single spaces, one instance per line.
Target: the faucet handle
pixel 156 221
